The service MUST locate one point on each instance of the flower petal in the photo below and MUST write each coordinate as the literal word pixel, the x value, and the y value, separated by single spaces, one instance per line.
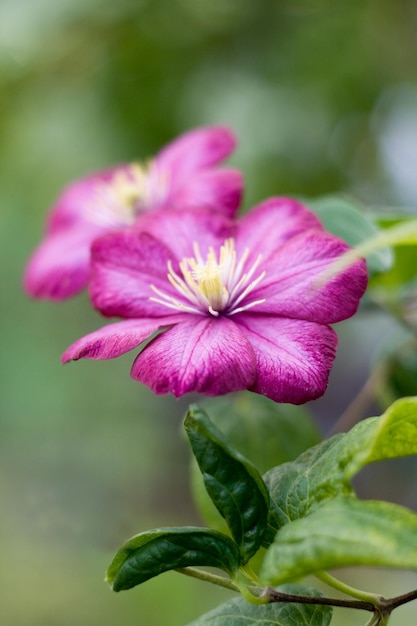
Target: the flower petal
pixel 178 230
pixel 293 357
pixel 293 287
pixel 60 266
pixel 78 199
pixel 205 355
pixel 115 339
pixel 217 189
pixel 195 150
pixel 124 266
pixel 268 225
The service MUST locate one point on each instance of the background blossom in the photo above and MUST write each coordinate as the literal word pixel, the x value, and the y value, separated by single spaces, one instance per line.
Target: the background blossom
pixel 184 174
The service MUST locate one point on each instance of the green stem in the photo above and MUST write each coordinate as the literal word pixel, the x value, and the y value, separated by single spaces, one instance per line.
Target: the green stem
pixel 207 577
pixel 360 404
pixel 250 575
pixel 331 581
pixel 380 607
pixel 373 621
pixel 403 233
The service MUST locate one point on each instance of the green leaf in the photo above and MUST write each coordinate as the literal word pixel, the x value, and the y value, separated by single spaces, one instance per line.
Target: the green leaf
pixel 156 551
pixel 343 532
pixel 232 482
pixel 390 436
pixel 397 376
pixel 324 471
pixel 404 265
pixel 401 234
pixel 238 611
pixel 396 289
pixel 299 487
pixel 348 221
pixel 245 418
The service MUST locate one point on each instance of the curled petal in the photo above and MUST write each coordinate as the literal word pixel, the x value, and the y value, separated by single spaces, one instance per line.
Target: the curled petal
pixel 195 150
pixel 205 355
pixel 293 358
pixel 116 339
pixel 217 189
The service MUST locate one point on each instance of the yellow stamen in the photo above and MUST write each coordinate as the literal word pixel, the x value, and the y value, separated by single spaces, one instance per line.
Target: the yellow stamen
pixel 132 189
pixel 216 285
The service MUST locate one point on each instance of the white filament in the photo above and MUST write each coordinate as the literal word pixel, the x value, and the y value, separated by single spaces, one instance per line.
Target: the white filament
pixel 215 285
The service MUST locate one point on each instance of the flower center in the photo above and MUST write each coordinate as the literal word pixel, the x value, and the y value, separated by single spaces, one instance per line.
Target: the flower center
pixel 215 285
pixel 130 191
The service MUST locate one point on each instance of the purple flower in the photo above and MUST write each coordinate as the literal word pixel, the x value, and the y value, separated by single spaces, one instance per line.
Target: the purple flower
pixel 235 304
pixel 182 175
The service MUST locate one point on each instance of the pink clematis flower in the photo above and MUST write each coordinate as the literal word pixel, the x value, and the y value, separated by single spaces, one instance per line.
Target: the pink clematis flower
pixel 234 304
pixel 182 175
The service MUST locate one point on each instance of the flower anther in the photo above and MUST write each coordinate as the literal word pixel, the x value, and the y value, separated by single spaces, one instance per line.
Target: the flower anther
pixel 215 285
pixel 118 201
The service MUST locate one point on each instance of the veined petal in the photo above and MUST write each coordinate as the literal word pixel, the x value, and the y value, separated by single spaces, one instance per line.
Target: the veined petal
pixel 293 357
pixel 116 339
pixel 205 355
pixel 178 230
pixel 195 150
pixel 271 223
pixel 124 266
pixel 294 284
pixel 60 266
pixel 216 189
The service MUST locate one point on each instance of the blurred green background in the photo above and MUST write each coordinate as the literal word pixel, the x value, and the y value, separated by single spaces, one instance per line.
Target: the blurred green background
pixel 323 98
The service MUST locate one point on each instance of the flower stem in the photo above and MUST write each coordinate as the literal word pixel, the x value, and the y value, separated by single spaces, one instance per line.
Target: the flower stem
pixel 380 607
pixel 330 580
pixel 374 620
pixel 404 232
pixel 359 405
pixel 207 577
pixel 393 603
pixel 277 596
